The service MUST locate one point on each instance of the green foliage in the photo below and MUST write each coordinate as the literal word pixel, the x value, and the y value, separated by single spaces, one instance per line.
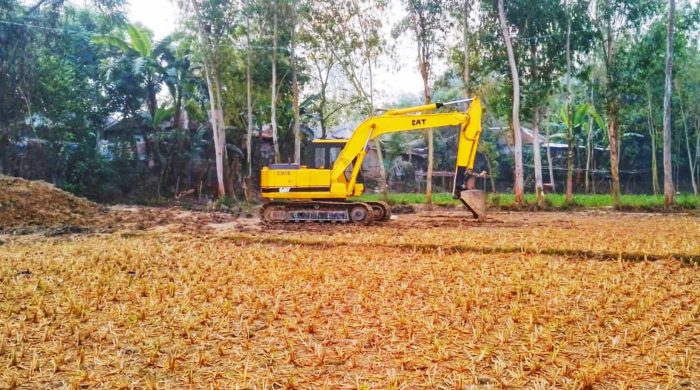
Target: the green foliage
pixel 225 203
pixel 87 173
pixel 162 114
pixel 140 41
pixel 110 40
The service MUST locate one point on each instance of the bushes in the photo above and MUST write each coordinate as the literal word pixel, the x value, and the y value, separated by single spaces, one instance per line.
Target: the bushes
pixel 87 173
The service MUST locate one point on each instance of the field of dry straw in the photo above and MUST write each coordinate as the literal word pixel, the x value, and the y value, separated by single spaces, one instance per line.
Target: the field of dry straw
pixel 550 300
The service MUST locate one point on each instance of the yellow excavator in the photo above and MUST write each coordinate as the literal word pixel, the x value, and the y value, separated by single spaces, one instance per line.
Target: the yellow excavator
pixel 320 191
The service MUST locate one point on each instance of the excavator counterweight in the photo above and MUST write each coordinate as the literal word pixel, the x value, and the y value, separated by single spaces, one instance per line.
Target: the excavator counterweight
pixel 319 191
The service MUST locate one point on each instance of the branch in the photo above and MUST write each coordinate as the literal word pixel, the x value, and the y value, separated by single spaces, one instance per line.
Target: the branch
pixel 36 6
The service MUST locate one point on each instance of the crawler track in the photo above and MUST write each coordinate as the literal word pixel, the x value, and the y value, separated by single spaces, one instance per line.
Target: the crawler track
pixel 362 213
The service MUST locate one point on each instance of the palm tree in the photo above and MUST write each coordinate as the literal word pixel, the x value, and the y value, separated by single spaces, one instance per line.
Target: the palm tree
pixel 138 44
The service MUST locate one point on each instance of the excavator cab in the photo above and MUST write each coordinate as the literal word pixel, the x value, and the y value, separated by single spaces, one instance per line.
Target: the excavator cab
pixel 324 152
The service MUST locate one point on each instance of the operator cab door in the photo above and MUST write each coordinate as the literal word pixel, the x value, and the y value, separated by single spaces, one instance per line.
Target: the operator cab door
pixel 323 154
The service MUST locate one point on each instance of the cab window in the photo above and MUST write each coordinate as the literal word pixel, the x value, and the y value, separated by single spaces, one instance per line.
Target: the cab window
pixel 323 155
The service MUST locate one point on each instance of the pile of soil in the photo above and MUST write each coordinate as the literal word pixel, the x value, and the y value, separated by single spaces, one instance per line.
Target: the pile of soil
pixel 28 204
pixel 403 209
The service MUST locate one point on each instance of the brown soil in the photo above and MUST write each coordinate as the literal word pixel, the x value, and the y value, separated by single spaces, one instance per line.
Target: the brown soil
pixel 37 204
pixel 28 207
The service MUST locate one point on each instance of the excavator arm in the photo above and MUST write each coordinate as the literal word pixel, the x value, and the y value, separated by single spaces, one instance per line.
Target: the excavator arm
pixel 411 119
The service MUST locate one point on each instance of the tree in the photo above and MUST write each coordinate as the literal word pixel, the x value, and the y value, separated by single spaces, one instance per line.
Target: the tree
pixel 612 19
pixel 350 32
pixel 465 20
pixel 295 87
pixel 426 19
pixel 519 187
pixel 213 21
pixel 317 42
pixel 545 25
pixel 569 113
pixel 653 136
pixel 145 60
pixel 668 91
pixel 594 126
pixel 175 55
pixel 692 159
pixel 249 97
pixel 273 85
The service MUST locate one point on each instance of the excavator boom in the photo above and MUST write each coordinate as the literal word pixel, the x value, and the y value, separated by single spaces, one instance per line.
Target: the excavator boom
pixel 319 193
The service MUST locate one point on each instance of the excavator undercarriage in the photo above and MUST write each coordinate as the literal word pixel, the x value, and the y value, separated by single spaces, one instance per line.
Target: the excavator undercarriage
pixel 325 211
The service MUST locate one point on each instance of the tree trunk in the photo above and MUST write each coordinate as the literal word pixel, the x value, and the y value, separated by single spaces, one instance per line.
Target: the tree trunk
pixel 519 189
pixel 691 162
pixel 431 157
pixel 177 117
pixel 654 164
pixel 676 167
pixel 593 170
pixel 549 162
pixel 589 147
pixel 28 106
pixel 569 115
pixel 217 119
pixel 697 151
pixel 612 107
pixel 322 98
pixel 377 143
pixel 424 70
pixel 539 187
pixel 668 91
pixel 491 177
pixel 216 105
pixel 589 155
pixel 652 136
pixel 249 107
pixel 382 170
pixel 613 140
pixel 249 101
pixel 151 91
pixel 467 75
pixel 295 90
pixel 228 175
pixel 273 99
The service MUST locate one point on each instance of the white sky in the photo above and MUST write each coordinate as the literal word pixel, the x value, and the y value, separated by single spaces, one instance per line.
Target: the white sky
pixel 158 15
pixel 161 17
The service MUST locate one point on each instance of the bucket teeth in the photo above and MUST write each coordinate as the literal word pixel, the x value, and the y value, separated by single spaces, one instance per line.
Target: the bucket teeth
pixel 475 201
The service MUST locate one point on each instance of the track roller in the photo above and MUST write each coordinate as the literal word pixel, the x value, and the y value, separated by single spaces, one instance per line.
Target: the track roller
pixel 382 211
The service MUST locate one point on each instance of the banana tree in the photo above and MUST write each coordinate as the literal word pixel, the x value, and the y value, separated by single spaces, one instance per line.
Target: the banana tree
pixel 175 56
pixel 585 122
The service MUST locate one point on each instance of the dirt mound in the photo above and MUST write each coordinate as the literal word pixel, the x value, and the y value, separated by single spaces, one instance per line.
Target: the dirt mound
pixel 37 204
pixel 403 209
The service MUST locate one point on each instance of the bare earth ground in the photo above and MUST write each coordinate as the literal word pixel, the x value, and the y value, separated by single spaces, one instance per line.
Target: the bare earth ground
pixel 172 299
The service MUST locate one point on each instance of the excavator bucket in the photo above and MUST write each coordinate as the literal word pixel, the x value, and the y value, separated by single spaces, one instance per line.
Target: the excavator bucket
pixel 475 201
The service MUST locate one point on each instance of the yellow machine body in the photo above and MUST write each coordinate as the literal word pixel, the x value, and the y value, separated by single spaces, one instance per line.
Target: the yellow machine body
pixel 339 180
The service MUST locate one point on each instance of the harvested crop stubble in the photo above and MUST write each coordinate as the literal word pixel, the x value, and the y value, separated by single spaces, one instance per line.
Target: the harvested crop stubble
pixel 601 235
pixel 173 310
